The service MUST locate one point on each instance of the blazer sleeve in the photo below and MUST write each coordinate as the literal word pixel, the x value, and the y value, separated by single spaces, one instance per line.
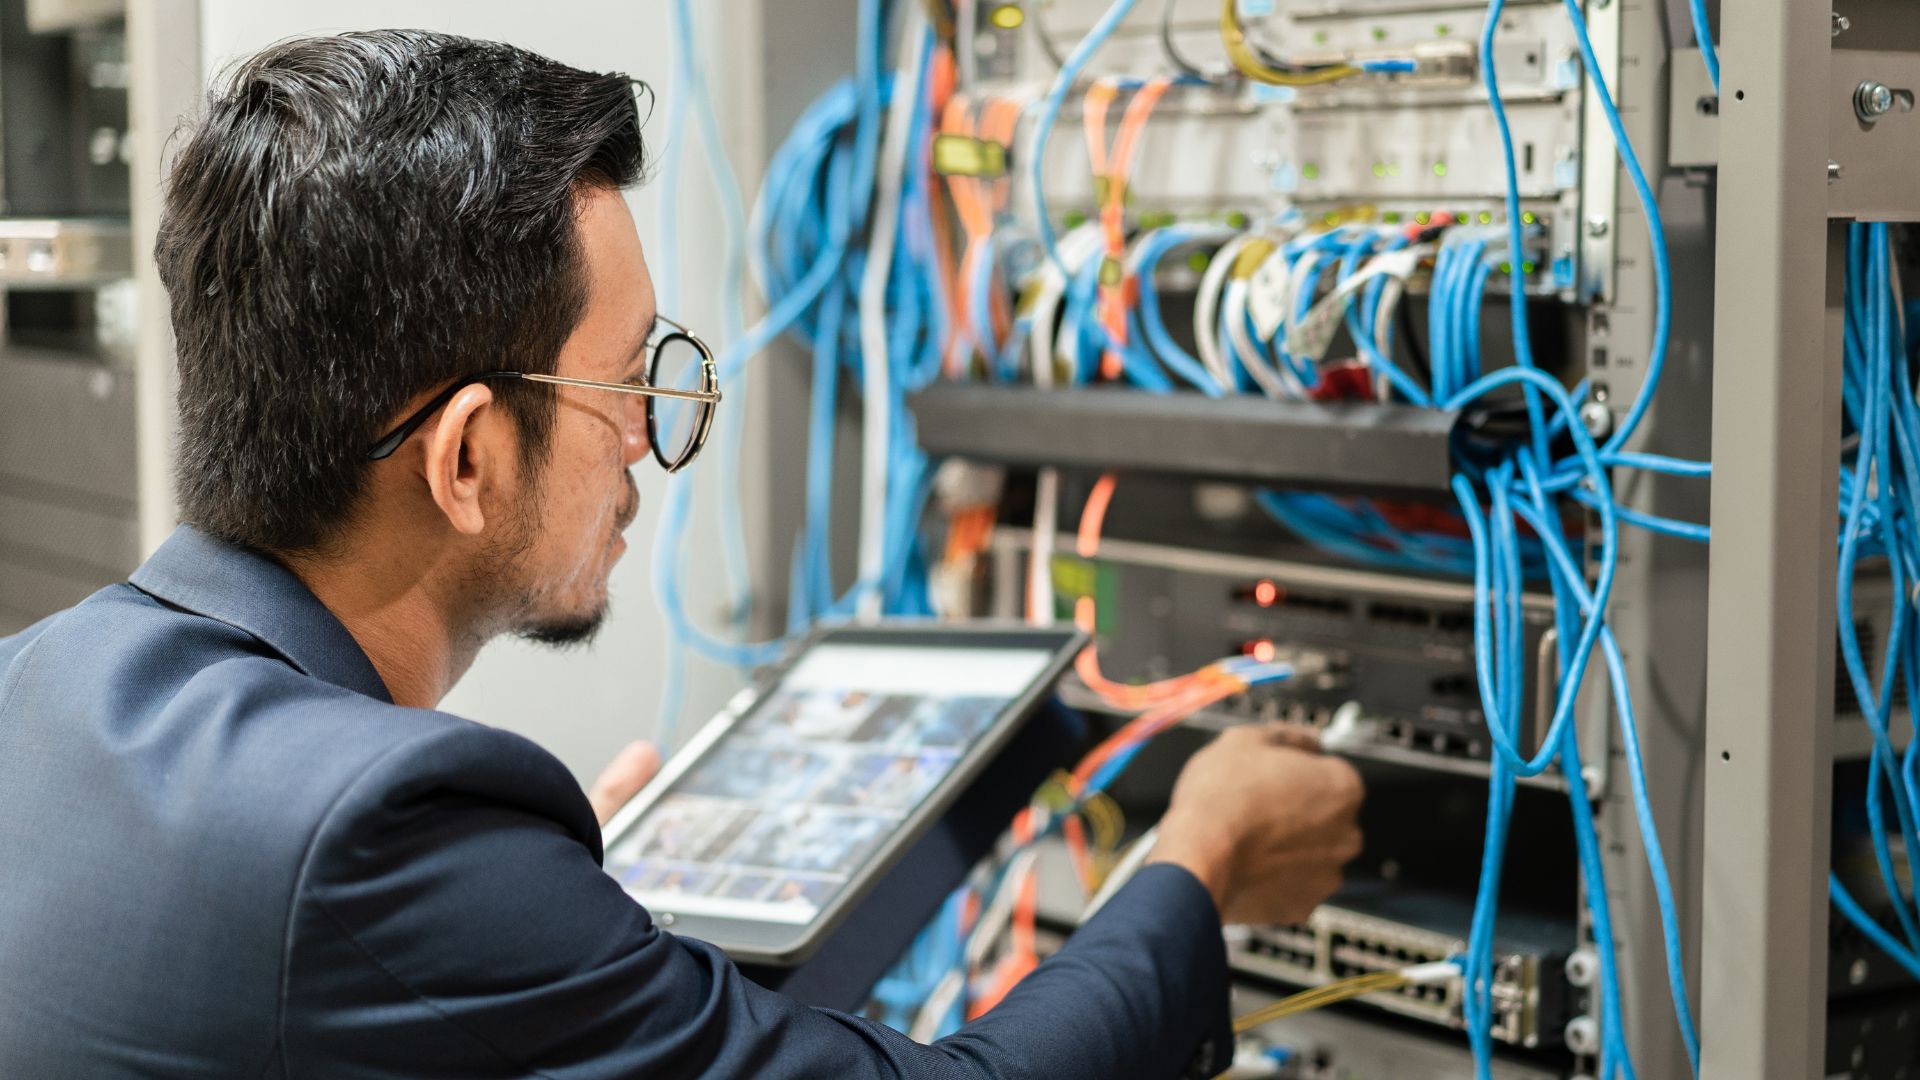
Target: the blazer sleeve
pixel 452 919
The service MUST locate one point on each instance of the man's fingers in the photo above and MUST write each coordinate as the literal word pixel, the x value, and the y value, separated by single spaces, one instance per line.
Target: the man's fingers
pixel 623 779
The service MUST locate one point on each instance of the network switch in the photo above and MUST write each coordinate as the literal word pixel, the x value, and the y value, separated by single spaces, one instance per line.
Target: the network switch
pixel 1401 647
pixel 1377 928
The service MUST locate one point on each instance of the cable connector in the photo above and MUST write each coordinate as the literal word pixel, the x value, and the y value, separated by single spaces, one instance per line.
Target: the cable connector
pixel 1438 973
pixel 1346 731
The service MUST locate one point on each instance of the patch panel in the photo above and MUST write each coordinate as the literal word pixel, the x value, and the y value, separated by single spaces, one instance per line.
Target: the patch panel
pixel 1397 143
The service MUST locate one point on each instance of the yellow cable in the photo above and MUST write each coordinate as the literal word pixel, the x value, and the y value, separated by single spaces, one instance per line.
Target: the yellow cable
pixel 1248 62
pixel 1108 824
pixel 1320 997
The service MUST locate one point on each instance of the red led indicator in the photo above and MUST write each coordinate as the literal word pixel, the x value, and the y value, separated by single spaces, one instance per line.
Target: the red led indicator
pixel 1266 594
pixel 1261 650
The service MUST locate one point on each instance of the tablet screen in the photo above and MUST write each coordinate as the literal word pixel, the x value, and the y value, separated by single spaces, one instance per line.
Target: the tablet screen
pixel 779 813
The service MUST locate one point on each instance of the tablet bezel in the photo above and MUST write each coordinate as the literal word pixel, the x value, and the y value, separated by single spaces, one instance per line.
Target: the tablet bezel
pixel 761 942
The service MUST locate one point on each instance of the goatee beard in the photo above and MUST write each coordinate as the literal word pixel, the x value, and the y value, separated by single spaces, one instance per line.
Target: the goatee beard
pixel 565 633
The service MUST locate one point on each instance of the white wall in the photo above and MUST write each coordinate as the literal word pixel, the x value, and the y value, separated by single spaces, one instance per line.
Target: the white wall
pixel 582 705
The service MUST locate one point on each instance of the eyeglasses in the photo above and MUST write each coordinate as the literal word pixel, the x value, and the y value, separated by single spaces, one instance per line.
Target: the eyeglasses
pixel 682 389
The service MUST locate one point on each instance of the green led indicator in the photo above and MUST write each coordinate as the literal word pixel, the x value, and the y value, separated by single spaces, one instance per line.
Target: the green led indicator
pixel 1442 30
pixel 1319 37
pixel 1074 219
pixel 1486 218
pixel 1197 262
pixel 1529 218
pixel 1422 218
pixel 1379 33
pixel 1236 219
pixel 1439 168
pixel 1310 172
pixel 1393 169
pixel 1506 268
pixel 1527 267
pixel 1391 217
pixel 1379 169
pixel 1331 218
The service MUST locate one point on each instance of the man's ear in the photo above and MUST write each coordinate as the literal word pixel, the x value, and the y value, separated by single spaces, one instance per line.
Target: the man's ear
pixel 466 449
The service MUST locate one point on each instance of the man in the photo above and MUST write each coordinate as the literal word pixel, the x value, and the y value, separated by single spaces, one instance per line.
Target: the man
pixel 235 840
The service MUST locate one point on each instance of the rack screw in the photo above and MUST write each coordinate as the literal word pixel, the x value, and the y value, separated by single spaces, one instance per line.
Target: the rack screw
pixel 1872 100
pixel 1582 967
pixel 1841 24
pixel 1597 418
pixel 1597 226
pixel 1583 1035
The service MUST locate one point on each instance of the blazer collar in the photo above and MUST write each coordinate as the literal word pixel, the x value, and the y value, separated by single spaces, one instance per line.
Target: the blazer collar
pixel 245 589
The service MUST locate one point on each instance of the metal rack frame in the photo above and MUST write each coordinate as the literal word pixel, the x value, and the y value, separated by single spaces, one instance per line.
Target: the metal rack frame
pixel 1794 159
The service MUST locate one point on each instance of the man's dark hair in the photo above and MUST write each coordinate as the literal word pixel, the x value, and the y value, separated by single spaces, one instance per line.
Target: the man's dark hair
pixel 357 220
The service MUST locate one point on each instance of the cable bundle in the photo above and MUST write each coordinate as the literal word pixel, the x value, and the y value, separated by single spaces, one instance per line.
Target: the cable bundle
pixel 1880 516
pixel 1512 500
pixel 824 195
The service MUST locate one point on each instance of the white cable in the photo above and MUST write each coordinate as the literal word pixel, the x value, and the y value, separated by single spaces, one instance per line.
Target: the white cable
pixel 876 436
pixel 1275 383
pixel 1075 249
pixel 1046 530
pixel 1206 310
pixel 999 916
pixel 993 922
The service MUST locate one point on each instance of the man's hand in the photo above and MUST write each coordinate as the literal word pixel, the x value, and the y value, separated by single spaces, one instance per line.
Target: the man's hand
pixel 623 779
pixel 1265 826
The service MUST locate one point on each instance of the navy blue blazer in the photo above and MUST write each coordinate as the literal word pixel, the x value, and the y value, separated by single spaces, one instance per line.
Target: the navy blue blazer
pixel 224 852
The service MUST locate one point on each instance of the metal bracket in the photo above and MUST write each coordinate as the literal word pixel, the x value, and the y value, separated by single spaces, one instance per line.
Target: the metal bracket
pixel 1693 113
pixel 1600 172
pixel 1873 130
pixel 1874 136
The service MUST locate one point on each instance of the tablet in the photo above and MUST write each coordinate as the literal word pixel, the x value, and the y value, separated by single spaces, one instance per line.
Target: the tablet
pixel 786 809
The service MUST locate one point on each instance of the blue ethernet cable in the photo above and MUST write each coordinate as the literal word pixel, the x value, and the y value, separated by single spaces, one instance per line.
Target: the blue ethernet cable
pixel 691 92
pixel 828 116
pixel 1153 249
pixel 1589 632
pixel 1360 319
pixel 1703 37
pixel 1475 296
pixel 1656 229
pixel 1049 115
pixel 1568 577
pixel 1477 965
pixel 1870 361
pixel 1516 240
pixel 816 126
pixel 1614 1057
pixel 1855 914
